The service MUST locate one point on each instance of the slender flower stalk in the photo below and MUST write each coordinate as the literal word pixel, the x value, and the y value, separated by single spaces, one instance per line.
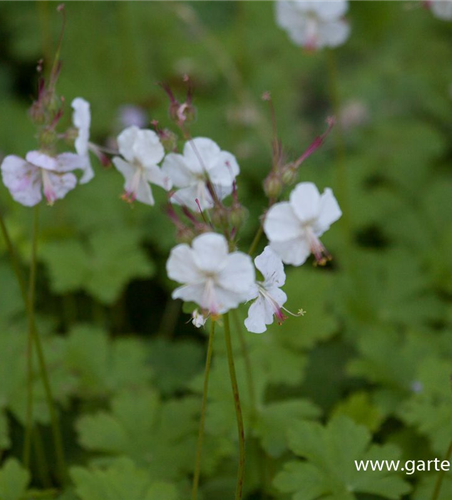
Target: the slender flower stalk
pixel 31 322
pixel 56 431
pixel 197 472
pixel 238 409
pixel 341 170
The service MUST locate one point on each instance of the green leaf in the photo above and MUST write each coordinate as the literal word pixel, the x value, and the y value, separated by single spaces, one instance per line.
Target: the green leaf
pixel 329 470
pixel 14 480
pixel 121 480
pixel 159 436
pixel 102 266
pixel 359 407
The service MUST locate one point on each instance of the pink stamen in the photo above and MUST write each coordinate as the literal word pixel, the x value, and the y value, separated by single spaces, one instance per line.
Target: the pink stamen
pixel 321 254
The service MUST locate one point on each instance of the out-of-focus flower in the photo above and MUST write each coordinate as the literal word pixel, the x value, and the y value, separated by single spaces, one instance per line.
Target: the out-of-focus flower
pixel 130 115
pixel 202 162
pixel 442 9
pixel 294 227
pixel 142 151
pixel 212 277
pixel 267 295
pixel 27 179
pixel 81 119
pixel 354 113
pixel 314 24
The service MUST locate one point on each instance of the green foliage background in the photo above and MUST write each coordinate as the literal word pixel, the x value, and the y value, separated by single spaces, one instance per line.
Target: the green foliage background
pixel 365 374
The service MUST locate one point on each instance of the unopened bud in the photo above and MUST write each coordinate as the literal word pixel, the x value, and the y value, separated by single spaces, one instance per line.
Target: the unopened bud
pixel 238 215
pixel 37 114
pixel 289 174
pixel 219 216
pixel 273 186
pixel 71 135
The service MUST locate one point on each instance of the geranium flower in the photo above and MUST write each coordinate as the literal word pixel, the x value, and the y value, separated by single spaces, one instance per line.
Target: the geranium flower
pixel 81 118
pixel 142 151
pixel 39 172
pixel 198 319
pixel 442 9
pixel 267 295
pixel 212 277
pixel 313 24
pixel 202 161
pixel 294 227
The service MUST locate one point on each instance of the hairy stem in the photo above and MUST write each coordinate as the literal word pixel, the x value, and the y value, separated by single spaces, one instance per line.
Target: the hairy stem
pixel 56 432
pixel 440 478
pixel 31 322
pixel 197 472
pixel 256 239
pixel 238 409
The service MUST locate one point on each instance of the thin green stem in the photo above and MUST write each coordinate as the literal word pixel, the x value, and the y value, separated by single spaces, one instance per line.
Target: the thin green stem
pixel 41 459
pixel 341 171
pixel 256 240
pixel 197 471
pixel 247 359
pixel 56 432
pixel 440 478
pixel 31 322
pixel 238 409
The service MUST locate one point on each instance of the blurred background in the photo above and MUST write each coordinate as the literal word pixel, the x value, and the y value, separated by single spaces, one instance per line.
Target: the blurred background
pixel 375 344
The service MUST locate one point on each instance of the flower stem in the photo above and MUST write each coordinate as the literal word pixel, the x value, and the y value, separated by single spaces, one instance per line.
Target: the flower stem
pixel 247 360
pixel 238 409
pixel 31 322
pixel 197 472
pixel 256 240
pixel 41 359
pixel 440 478
pixel 341 171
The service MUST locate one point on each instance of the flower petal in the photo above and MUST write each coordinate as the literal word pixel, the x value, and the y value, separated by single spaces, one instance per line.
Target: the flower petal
pixel 271 267
pixel 81 118
pixel 188 196
pixel 305 202
pixel 176 168
pixel 201 154
pixel 329 212
pixel 126 142
pixel 143 192
pixel 210 251
pixel 42 160
pixel 155 175
pixel 238 274
pixel 126 169
pixel 22 179
pixel 294 251
pixel 281 223
pixel 255 322
pixel 225 169
pixel 181 266
pixel 147 148
pixel 62 184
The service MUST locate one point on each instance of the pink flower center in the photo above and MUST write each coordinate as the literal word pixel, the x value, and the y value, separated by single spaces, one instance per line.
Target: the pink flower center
pixel 322 256
pixel 49 191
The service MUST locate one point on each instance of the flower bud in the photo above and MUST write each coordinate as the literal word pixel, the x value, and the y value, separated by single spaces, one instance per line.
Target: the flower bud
pixel 219 216
pixel 273 185
pixel 37 114
pixel 238 215
pixel 289 174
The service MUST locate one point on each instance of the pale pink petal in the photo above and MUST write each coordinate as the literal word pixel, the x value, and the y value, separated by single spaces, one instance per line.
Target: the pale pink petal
pixel 81 118
pixel 22 179
pixel 42 160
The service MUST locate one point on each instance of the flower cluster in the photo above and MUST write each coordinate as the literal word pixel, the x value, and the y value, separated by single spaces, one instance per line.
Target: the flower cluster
pixel 314 24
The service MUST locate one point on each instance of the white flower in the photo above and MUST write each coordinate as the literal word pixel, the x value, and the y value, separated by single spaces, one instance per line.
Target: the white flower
pixel 81 118
pixel 294 227
pixel 269 298
pixel 314 24
pixel 26 179
pixel 142 151
pixel 202 160
pixel 442 9
pixel 198 319
pixel 212 277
